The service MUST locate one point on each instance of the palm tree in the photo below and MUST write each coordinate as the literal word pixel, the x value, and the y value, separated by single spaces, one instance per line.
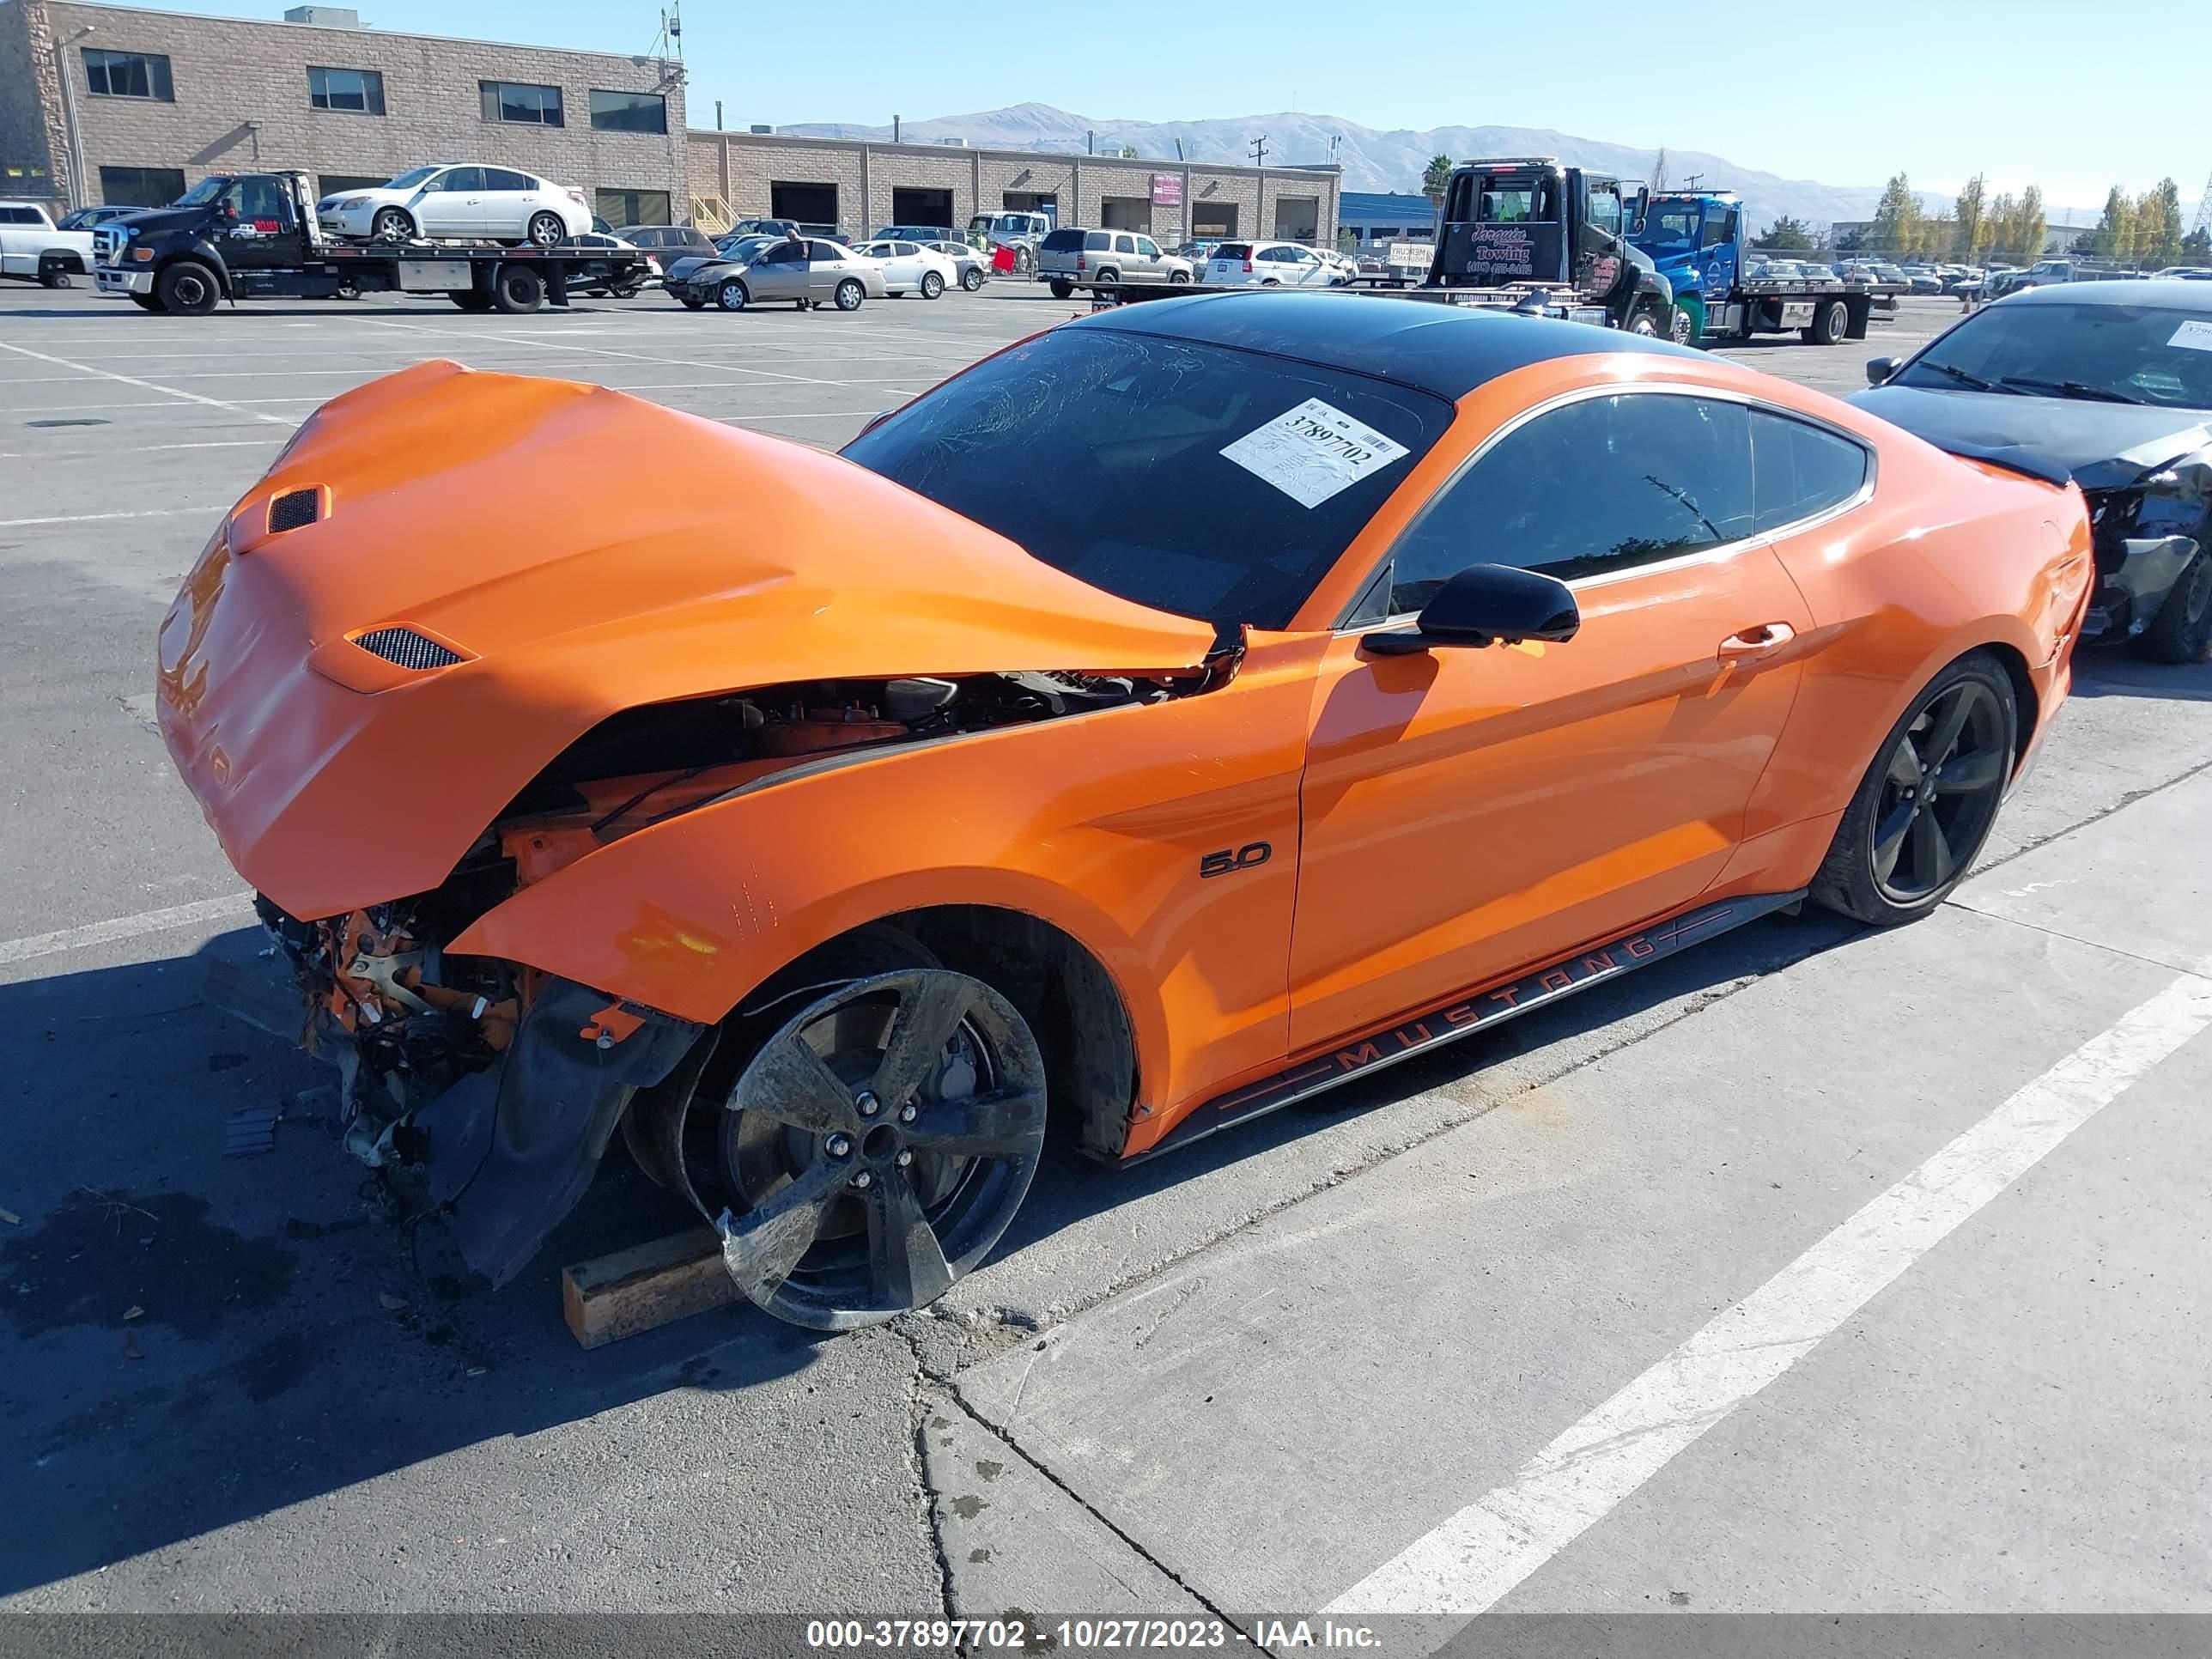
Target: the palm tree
pixel 1436 179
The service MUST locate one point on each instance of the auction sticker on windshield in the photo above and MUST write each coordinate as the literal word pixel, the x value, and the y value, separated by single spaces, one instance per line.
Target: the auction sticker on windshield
pixel 1312 451
pixel 2193 336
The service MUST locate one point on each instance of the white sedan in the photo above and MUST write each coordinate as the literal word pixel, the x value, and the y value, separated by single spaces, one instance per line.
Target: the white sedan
pixel 911 267
pixel 1268 265
pixel 463 203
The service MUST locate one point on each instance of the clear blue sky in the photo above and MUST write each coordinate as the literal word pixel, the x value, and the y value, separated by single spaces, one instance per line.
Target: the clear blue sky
pixel 2065 94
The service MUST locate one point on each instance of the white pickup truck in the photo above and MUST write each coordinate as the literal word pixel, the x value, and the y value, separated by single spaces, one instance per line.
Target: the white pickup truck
pixel 31 248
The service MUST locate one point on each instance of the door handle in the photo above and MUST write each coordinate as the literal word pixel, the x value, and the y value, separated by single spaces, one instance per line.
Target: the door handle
pixel 1756 641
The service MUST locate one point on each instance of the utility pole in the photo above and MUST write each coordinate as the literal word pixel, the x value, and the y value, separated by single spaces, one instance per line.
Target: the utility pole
pixel 1259 151
pixel 1690 180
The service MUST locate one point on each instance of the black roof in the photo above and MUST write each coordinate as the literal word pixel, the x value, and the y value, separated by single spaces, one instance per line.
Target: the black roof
pixel 2168 295
pixel 1442 349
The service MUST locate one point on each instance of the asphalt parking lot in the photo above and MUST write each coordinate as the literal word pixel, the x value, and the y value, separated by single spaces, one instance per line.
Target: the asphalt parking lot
pixel 1649 1302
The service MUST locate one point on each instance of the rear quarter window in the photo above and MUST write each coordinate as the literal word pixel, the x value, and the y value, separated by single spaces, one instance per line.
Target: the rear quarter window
pixel 1098 240
pixel 1063 241
pixel 1800 469
pixel 1233 251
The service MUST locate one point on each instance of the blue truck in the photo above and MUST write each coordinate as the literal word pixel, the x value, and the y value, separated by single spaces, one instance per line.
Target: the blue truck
pixel 1695 238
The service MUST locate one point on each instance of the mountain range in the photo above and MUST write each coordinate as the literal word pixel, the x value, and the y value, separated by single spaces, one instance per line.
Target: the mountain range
pixel 1371 159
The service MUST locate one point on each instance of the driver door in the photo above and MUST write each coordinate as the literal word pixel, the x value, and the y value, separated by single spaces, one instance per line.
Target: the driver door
pixel 452 203
pixel 779 273
pixel 1471 813
pixel 260 229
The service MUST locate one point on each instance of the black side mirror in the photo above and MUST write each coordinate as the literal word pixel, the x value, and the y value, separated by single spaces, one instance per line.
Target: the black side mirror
pixel 1878 369
pixel 1484 604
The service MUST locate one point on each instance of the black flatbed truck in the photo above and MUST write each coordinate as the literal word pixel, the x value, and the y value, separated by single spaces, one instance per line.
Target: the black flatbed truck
pixel 253 236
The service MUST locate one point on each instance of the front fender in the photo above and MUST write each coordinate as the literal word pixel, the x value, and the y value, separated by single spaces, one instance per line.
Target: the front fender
pixel 201 249
pixel 1097 823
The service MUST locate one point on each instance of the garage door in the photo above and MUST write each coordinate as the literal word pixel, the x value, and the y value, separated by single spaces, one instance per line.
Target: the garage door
pixel 809 205
pixel 922 207
pixel 1213 220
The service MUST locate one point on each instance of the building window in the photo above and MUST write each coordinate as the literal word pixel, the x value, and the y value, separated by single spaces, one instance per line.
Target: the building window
pixel 628 112
pixel 140 186
pixel 514 100
pixel 361 91
pixel 634 207
pixel 127 75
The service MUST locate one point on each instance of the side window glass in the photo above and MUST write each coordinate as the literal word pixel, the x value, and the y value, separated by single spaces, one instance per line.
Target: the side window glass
pixel 1605 210
pixel 501 179
pixel 1798 469
pixel 1598 486
pixel 463 178
pixel 1148 247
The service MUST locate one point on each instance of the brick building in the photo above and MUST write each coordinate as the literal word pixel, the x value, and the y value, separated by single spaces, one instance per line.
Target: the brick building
pixel 858 184
pixel 105 103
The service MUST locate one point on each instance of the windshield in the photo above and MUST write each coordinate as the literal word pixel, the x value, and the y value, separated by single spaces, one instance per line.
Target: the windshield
pixel 409 180
pixel 2157 355
pixel 1668 230
pixel 1177 475
pixel 743 248
pixel 202 193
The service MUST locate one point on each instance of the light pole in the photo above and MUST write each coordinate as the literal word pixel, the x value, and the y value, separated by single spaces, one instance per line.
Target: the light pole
pixel 78 189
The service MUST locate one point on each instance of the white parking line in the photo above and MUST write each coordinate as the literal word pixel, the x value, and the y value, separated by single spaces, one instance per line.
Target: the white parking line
pixel 1465 1566
pixel 95 518
pixel 104 933
pixel 136 449
pixel 145 386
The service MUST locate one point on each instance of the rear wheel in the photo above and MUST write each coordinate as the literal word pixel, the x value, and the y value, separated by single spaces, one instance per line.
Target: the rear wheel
pixel 547 230
pixel 517 290
pixel 849 294
pixel 2182 631
pixel 1174 276
pixel 188 288
pixel 1062 290
pixel 933 285
pixel 971 279
pixel 1831 318
pixel 1926 805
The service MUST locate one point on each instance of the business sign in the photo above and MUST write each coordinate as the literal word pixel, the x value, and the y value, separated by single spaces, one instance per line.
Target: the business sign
pixel 1167 190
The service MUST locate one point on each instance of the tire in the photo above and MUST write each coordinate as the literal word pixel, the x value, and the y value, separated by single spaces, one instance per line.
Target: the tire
pixel 1061 290
pixel 805 1114
pixel 933 285
pixel 971 280
pixel 1270 281
pixel 391 224
pixel 1178 276
pixel 2182 630
pixel 848 294
pixel 1965 723
pixel 546 230
pixel 732 296
pixel 51 277
pixel 1831 318
pixel 517 290
pixel 187 289
pixel 1683 328
pixel 1108 279
pixel 146 302
pixel 471 300
pixel 1645 321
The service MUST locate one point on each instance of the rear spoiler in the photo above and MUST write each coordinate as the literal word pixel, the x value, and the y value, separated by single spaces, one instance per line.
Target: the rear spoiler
pixel 2011 457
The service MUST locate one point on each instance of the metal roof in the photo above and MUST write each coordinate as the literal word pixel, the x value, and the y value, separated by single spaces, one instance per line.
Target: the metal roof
pixel 1445 349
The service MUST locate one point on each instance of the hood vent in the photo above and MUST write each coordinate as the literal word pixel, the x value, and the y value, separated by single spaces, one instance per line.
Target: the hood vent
pixel 294 509
pixel 407 648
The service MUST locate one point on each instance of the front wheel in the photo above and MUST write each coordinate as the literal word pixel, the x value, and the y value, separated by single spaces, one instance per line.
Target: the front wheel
pixel 188 288
pixel 547 230
pixel 2182 630
pixel 692 302
pixel 1644 321
pixel 732 296
pixel 1684 327
pixel 1925 806
pixel 1062 290
pixel 391 225
pixel 848 294
pixel 933 285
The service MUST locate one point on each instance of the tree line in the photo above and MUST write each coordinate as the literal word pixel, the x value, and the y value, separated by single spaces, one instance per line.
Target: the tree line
pixel 2142 232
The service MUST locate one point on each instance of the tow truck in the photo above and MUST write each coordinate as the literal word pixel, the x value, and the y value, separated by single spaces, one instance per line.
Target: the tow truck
pixel 1695 238
pixel 253 236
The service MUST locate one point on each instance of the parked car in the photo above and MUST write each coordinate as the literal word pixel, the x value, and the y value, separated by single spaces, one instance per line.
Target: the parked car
pixel 2183 274
pixel 1923 279
pixel 2107 383
pixel 1070 259
pixel 629 802
pixel 914 233
pixel 34 248
pixel 1021 230
pixel 1344 266
pixel 971 264
pixel 91 218
pixel 1268 265
pixel 670 242
pixel 911 268
pixel 764 227
pixel 466 202
pixel 1198 252
pixel 777 271
pixel 601 280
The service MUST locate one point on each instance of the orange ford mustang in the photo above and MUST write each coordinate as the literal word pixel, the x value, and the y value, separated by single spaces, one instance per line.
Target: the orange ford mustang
pixel 1174 714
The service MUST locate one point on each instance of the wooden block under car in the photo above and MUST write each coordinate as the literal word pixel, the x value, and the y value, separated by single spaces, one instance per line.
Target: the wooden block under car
pixel 645 1287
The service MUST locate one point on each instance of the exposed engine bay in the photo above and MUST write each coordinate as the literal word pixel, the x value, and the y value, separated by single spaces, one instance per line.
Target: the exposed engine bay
pixel 417 1032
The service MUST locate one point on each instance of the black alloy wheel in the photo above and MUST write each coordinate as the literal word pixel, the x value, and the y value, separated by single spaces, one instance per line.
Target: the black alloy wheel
pixel 879 1143
pixel 1927 804
pixel 2182 630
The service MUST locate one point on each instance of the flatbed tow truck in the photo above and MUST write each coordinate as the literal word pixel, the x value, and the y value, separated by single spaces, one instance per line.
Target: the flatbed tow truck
pixel 1695 238
pixel 253 236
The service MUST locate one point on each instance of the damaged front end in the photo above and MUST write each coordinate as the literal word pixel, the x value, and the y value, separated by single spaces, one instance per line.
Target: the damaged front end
pixel 2147 523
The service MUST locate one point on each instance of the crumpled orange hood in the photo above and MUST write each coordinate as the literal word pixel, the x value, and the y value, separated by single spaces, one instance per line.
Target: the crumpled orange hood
pixel 584 552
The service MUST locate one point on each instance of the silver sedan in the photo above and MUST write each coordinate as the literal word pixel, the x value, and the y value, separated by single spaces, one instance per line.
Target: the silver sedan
pixel 812 271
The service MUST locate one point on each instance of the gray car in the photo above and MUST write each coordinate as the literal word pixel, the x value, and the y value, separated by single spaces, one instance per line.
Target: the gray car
pixel 814 272
pixel 1072 259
